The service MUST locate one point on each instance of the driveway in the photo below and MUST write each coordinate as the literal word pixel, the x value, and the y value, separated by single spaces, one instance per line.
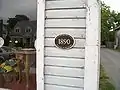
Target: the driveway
pixel 110 60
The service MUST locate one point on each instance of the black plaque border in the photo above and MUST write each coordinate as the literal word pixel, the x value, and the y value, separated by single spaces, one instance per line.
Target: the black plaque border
pixel 72 46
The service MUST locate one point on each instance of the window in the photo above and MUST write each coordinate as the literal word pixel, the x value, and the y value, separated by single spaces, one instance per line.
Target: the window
pixel 28 29
pixel 17 30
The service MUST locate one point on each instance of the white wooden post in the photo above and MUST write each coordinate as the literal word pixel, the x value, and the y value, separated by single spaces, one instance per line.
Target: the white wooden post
pixel 40 43
pixel 92 50
pixel 61 71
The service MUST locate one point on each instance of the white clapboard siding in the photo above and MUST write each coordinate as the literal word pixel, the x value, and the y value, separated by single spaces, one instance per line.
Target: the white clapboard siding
pixel 78 42
pixel 65 4
pixel 75 53
pixel 80 33
pixel 69 13
pixel 66 62
pixel 65 23
pixel 65 81
pixel 55 87
pixel 64 71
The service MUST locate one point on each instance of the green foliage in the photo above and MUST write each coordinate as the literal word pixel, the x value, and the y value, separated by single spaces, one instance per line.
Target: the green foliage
pixel 104 81
pixel 12 21
pixel 109 20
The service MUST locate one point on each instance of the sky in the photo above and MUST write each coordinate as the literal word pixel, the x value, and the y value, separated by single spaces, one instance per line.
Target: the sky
pixel 9 8
pixel 114 4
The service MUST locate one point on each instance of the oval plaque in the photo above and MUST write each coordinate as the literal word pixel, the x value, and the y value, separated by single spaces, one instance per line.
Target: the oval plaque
pixel 64 41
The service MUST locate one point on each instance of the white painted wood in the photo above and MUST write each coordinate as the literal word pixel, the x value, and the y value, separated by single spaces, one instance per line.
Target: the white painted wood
pixel 68 62
pixel 78 42
pixel 92 51
pixel 92 26
pixel 4 89
pixel 91 79
pixel 75 53
pixel 54 87
pixel 40 44
pixel 69 13
pixel 65 4
pixel 65 23
pixel 59 65
pixel 80 33
pixel 62 71
pixel 65 81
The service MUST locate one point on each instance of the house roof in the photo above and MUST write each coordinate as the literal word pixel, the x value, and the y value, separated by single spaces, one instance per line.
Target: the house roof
pixel 23 25
pixel 117 28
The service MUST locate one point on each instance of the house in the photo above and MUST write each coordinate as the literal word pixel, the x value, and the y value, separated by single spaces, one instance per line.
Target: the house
pixel 117 37
pixel 24 34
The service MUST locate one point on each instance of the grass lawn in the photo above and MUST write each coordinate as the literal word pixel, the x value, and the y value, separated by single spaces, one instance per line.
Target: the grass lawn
pixel 104 81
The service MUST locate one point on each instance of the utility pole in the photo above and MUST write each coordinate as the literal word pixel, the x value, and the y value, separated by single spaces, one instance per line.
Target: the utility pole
pixel 1 27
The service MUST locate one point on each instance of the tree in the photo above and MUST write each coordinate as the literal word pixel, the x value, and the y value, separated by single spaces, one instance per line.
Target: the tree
pixel 109 20
pixel 21 17
pixel 13 21
pixel 6 41
pixel 105 21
